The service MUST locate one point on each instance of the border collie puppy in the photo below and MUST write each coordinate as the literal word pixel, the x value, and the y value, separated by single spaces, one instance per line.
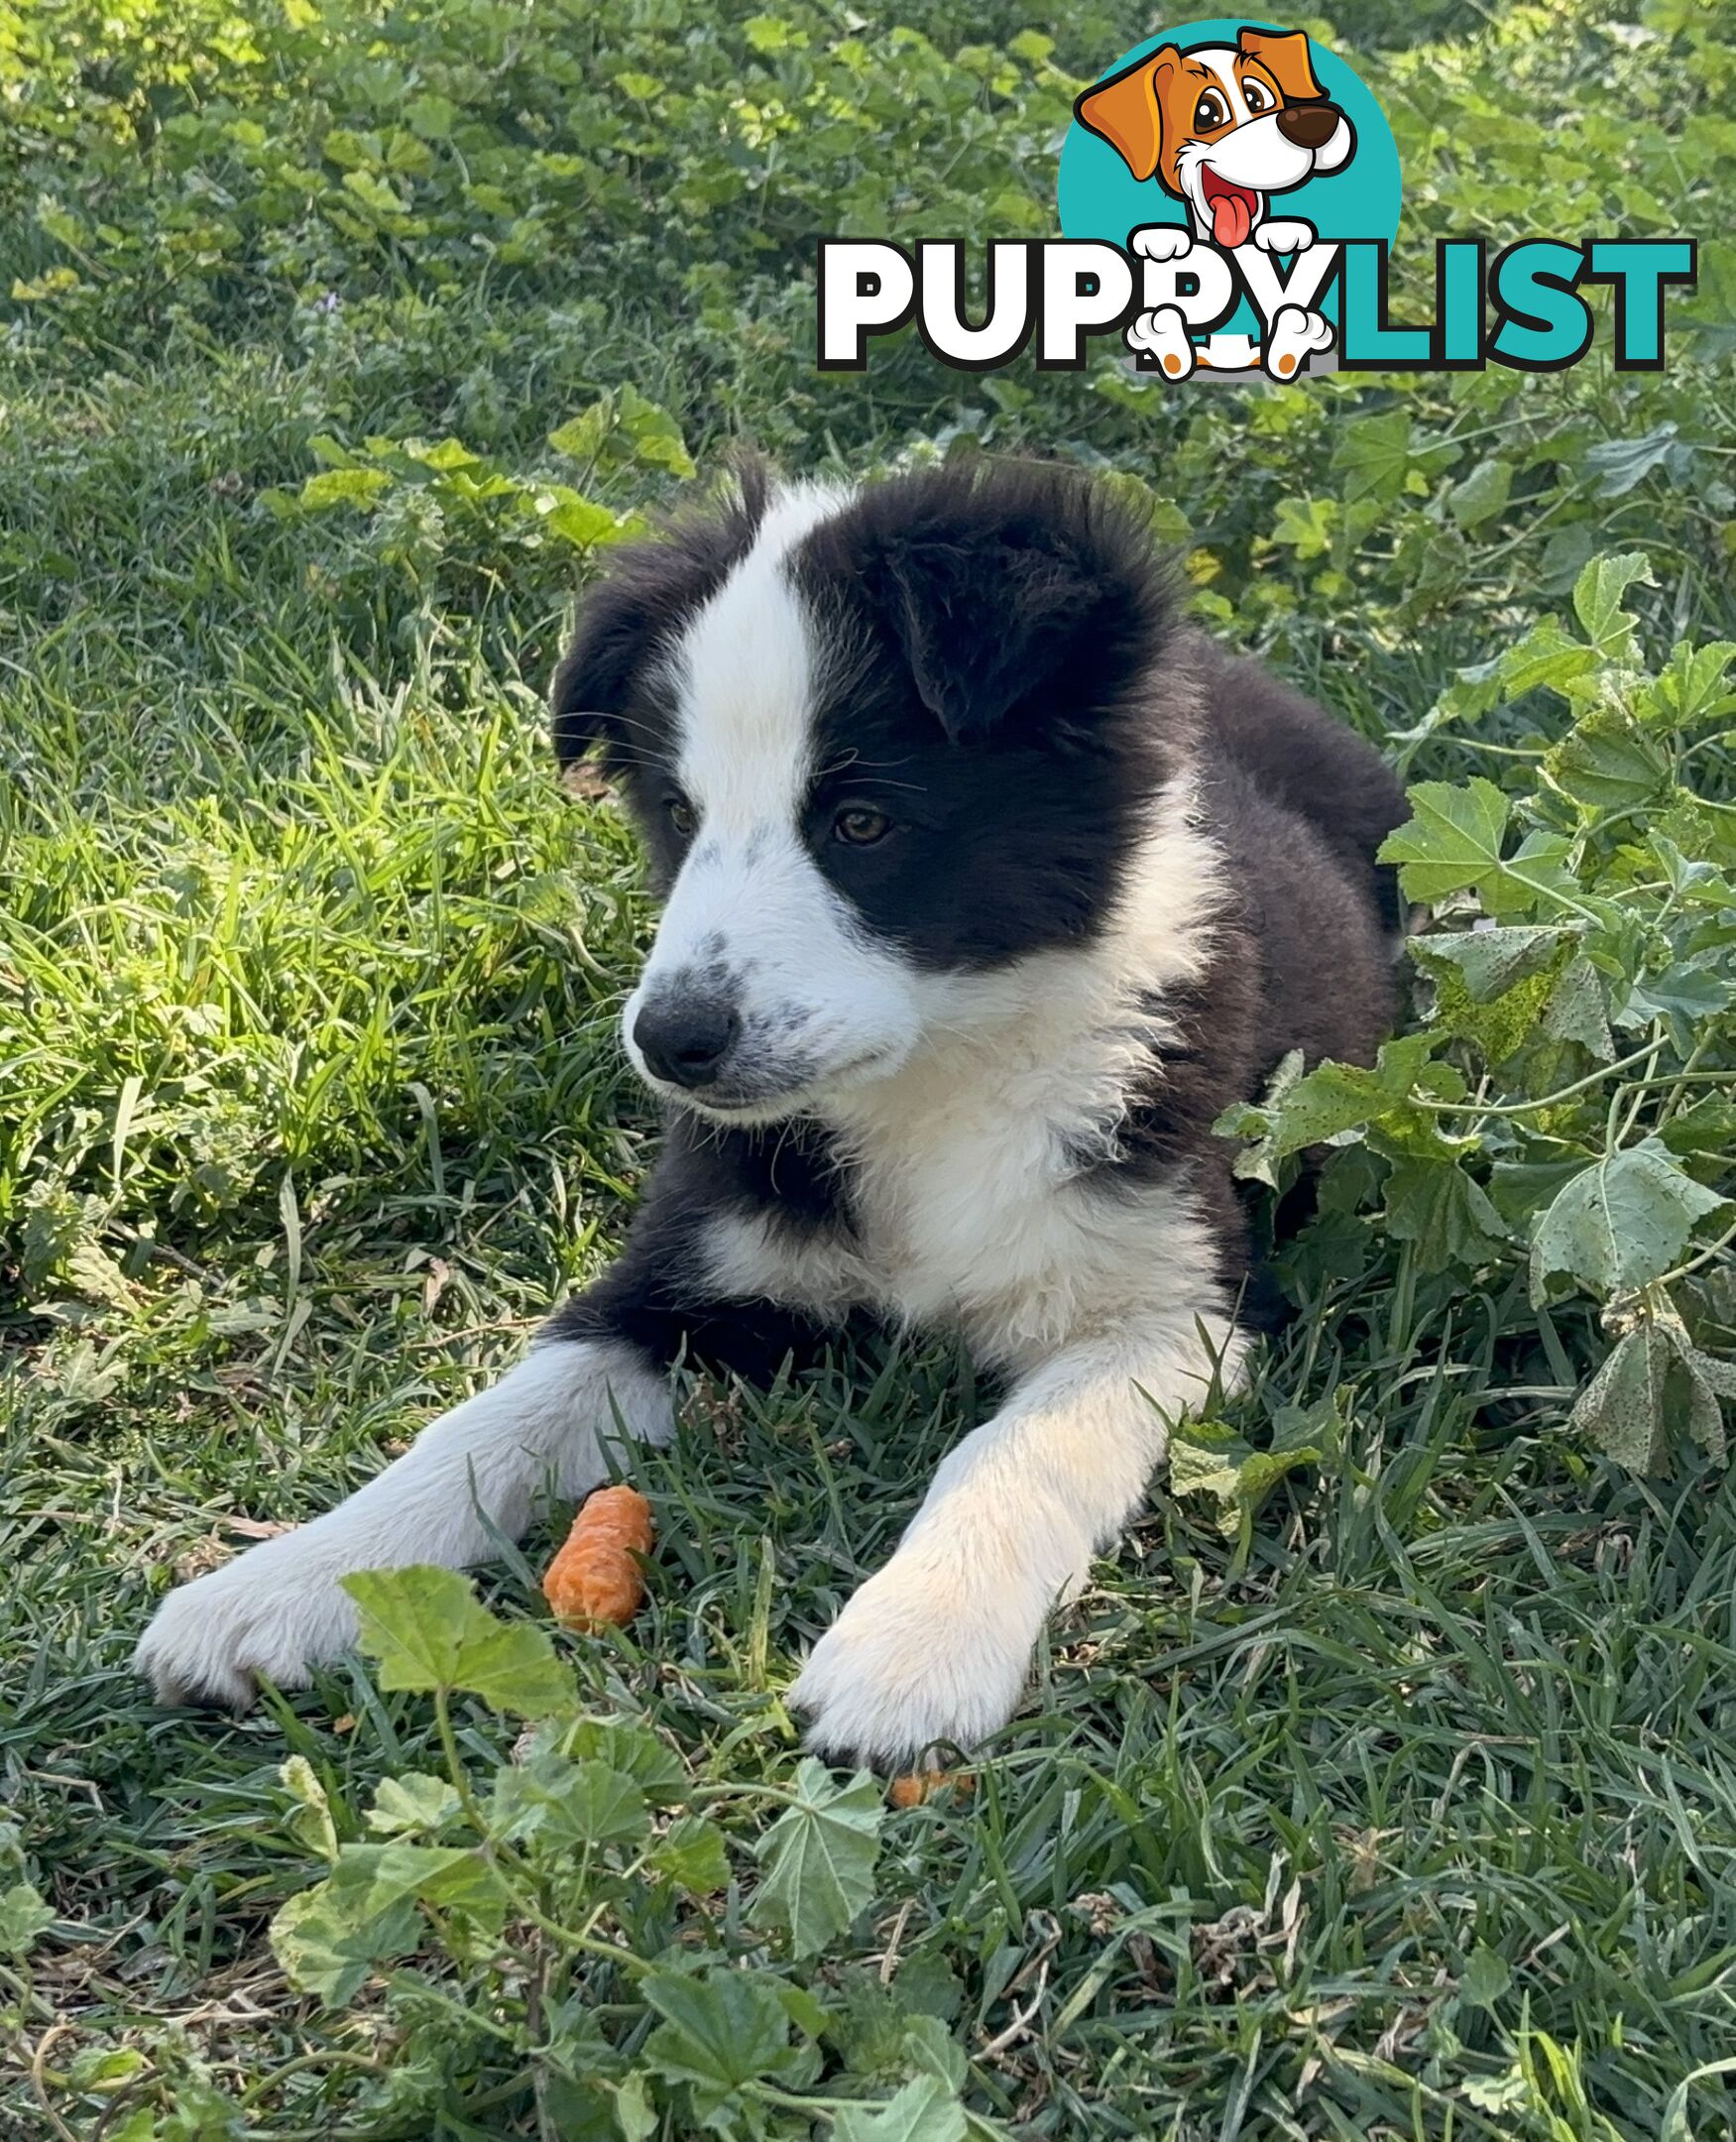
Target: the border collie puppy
pixel 988 885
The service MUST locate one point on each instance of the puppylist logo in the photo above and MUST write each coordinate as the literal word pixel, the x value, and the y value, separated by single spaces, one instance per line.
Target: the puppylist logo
pixel 1228 195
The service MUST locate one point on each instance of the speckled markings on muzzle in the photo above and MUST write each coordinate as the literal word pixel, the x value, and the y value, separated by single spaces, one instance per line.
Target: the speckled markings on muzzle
pixel 753 939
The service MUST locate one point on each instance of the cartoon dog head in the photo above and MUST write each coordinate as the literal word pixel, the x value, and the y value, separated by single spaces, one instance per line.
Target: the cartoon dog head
pixel 1222 126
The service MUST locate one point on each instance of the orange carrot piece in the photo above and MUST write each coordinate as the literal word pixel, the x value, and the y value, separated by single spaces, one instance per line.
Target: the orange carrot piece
pixel 920 1785
pixel 594 1578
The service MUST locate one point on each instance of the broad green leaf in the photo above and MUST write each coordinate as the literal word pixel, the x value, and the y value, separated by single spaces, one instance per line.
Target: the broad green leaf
pixel 1491 961
pixel 582 436
pixel 1624 1408
pixel 432 117
pixel 24 1917
pixel 1208 1457
pixel 632 1749
pixel 1452 840
pixel 1608 762
pixel 720 2030
pixel 1597 601
pixel 1546 658
pixel 1706 1125
pixel 655 436
pixel 373 194
pixel 634 2115
pixel 926 2109
pixel 1333 1099
pixel 1694 684
pixel 1306 525
pixel 581 523
pixel 344 486
pixel 1439 1207
pixel 1536 878
pixel 818 1858
pixel 691 1854
pixel 1576 1010
pixel 1374 454
pixel 329 1938
pixel 1621 463
pixel 413 1804
pixel 310 1823
pixel 428 1630
pixel 1482 494
pixel 1692 990
pixel 567 1805
pixel 1622 1222
pixel 1486 1978
pixel 1491 985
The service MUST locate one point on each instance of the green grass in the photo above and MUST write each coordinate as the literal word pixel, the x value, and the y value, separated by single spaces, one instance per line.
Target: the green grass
pixel 1405 1811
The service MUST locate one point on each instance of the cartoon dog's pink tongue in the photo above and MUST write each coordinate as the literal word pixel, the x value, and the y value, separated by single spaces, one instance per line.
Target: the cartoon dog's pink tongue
pixel 1232 210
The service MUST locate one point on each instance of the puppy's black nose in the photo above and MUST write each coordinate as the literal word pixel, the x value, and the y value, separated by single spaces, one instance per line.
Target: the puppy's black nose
pixel 684 1039
pixel 1309 126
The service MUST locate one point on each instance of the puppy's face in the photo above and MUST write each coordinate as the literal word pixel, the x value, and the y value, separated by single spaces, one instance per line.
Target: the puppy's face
pixel 877 744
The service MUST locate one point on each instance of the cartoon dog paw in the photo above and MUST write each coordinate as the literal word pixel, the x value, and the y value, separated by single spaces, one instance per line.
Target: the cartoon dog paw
pixel 1162 241
pixel 1286 235
pixel 1163 337
pixel 1295 335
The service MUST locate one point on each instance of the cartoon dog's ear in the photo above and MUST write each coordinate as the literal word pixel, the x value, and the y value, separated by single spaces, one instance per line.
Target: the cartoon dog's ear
pixel 1127 109
pixel 1284 54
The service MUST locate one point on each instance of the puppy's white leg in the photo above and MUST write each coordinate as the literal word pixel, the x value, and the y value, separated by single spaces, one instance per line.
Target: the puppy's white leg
pixel 936 1647
pixel 278 1611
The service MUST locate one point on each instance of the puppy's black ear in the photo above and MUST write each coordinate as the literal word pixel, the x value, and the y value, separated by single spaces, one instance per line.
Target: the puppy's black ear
pixel 985 622
pixel 615 640
pixel 634 613
pixel 1025 602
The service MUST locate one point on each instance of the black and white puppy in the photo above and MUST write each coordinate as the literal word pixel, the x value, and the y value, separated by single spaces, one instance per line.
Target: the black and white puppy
pixel 988 886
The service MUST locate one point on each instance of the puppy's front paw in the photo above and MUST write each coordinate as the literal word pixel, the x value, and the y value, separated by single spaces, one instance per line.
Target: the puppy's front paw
pixel 273 1614
pixel 912 1665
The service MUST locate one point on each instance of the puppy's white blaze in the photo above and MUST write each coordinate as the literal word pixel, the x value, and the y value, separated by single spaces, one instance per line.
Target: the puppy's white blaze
pixel 815 995
pixel 474 1473
pixel 746 680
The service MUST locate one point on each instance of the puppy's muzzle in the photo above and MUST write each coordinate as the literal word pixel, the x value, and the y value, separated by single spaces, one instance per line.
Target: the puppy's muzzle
pixel 1309 126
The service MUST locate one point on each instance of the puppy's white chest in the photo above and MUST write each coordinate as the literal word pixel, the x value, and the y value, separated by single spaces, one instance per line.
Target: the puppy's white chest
pixel 971 1212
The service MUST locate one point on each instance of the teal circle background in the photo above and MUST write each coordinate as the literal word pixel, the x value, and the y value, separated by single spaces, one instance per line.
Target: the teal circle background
pixel 1100 197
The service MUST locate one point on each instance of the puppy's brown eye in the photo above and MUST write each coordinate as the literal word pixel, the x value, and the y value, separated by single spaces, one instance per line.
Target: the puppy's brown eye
pixel 1211 111
pixel 1258 95
pixel 861 827
pixel 682 816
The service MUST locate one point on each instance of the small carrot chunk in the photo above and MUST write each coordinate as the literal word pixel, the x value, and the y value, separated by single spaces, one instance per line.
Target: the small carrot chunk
pixel 920 1785
pixel 595 1577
